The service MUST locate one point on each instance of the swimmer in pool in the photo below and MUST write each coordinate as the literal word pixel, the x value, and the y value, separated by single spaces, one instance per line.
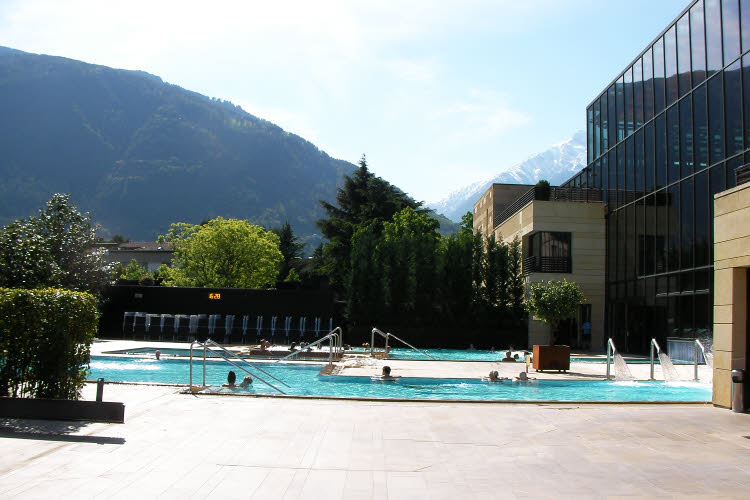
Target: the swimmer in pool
pixel 524 377
pixel 386 374
pixel 231 379
pixel 246 382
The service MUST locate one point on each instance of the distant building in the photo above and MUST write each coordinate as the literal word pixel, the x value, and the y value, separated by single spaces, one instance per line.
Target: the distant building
pixel 148 254
pixel 494 201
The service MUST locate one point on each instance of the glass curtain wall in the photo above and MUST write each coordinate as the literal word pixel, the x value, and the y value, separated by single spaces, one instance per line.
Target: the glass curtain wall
pixel 664 138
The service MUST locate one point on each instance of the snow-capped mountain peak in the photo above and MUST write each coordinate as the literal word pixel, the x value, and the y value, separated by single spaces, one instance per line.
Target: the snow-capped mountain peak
pixel 556 164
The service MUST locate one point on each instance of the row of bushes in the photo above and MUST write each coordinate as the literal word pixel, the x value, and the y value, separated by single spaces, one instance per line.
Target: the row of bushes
pixel 44 342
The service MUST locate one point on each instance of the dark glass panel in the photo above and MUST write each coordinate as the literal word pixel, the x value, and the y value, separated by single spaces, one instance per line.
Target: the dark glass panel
pixel 638 237
pixel 621 174
pixel 596 175
pixel 662 286
pixel 686 281
pixel 605 177
pixel 686 137
pixel 732 165
pixel 612 247
pixel 702 221
pixel 702 318
pixel 745 27
pixel 673 144
pixel 686 222
pixel 713 36
pixel 658 75
pixel 605 125
pixel 662 219
pixel 715 119
pixel 670 65
pixel 639 163
pixel 649 235
pixel 638 92
pixel 673 314
pixel 700 128
pixel 648 85
pixel 631 238
pixel 596 144
pixel 590 134
pixel 674 227
pixel 685 316
pixel 661 150
pixel 611 116
pixel 628 91
pixel 702 280
pixel 620 91
pixel 612 195
pixel 683 54
pixel 746 91
pixel 629 169
pixel 622 236
pixel 698 37
pixel 730 17
pixel 733 108
pixel 649 161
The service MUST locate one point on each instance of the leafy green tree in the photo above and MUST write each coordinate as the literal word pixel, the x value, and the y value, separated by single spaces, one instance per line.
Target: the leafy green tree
pixel 290 246
pixel 292 275
pixel 553 301
pixel 228 253
pixel 134 271
pixel 362 199
pixel 408 251
pixel 53 249
pixel 456 270
pixel 516 281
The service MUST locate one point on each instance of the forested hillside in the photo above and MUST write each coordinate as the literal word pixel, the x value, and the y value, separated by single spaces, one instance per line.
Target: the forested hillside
pixel 140 153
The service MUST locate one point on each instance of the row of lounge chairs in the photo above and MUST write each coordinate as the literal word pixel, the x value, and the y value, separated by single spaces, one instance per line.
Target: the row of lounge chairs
pixel 227 329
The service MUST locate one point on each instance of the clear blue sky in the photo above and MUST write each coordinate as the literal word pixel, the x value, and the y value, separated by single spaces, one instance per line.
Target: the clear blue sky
pixel 438 94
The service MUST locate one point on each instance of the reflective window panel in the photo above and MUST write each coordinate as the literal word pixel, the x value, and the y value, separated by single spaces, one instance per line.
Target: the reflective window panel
pixel 716 119
pixel 658 75
pixel 686 137
pixel 648 85
pixel 683 54
pixel 698 42
pixel 730 17
pixel 733 108
pixel 670 64
pixel 700 128
pixel 713 36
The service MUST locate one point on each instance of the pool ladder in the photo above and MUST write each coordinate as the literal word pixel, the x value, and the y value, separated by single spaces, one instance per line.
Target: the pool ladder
pixel 233 359
pixel 387 337
pixel 335 345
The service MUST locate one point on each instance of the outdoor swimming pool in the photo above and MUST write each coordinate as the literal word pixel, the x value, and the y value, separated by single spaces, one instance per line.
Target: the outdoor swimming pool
pixel 304 380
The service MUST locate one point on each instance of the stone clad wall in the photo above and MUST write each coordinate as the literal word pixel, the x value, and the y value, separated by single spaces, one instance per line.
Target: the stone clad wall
pixel 731 260
pixel 587 224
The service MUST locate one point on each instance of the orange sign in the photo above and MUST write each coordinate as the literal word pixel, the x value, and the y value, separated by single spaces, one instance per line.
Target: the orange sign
pixel 214 296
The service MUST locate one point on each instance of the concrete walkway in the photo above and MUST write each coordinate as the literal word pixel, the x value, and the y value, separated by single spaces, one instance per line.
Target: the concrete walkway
pixel 182 446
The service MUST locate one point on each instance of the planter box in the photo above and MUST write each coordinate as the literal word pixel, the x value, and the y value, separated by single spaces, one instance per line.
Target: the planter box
pixel 62 409
pixel 552 357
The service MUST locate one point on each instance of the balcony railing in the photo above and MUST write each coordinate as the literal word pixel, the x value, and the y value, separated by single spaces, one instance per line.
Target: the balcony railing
pixel 547 265
pixel 742 174
pixel 570 194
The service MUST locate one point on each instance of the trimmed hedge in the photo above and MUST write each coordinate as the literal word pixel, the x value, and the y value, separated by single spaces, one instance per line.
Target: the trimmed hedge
pixel 44 342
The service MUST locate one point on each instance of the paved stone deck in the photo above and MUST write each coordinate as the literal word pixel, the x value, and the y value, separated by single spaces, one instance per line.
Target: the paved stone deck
pixel 183 446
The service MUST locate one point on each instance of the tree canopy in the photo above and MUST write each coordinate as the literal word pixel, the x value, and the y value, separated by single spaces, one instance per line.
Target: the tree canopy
pixel 291 249
pixel 53 249
pixel 553 301
pixel 228 253
pixel 364 198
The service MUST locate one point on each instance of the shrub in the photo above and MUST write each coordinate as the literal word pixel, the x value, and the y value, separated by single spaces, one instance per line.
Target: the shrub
pixel 44 342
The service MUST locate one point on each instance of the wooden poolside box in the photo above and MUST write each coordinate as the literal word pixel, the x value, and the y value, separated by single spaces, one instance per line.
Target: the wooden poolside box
pixel 552 357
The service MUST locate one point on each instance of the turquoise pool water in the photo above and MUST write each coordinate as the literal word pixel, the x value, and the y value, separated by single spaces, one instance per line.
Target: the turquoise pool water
pixel 304 380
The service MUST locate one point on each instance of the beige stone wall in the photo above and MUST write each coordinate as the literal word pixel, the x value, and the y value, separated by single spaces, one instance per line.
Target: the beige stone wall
pixel 731 260
pixel 494 201
pixel 586 223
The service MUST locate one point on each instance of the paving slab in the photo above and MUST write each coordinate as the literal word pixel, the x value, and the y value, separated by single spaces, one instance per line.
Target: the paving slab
pixel 192 446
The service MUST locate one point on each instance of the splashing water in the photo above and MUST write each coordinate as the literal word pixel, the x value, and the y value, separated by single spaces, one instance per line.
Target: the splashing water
pixel 667 368
pixel 622 372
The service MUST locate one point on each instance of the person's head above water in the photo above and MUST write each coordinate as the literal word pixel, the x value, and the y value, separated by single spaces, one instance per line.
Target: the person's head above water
pixel 386 371
pixel 231 377
pixel 523 376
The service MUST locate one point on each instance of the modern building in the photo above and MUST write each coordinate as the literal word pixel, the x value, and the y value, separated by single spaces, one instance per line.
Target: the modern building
pixel 668 140
pixel 494 201
pixel 148 254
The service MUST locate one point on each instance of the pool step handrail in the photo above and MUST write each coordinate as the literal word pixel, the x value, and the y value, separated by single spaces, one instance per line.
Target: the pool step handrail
pixel 206 348
pixel 698 345
pixel 652 345
pixel 335 338
pixel 387 337
pixel 221 348
pixel 610 352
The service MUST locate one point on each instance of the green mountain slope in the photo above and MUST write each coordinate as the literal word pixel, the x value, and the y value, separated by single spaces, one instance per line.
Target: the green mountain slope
pixel 140 153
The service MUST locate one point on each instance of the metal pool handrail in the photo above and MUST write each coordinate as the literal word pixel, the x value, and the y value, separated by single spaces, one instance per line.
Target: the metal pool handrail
pixel 336 334
pixel 240 358
pixel 206 347
pixel 610 352
pixel 387 336
pixel 698 345
pixel 653 344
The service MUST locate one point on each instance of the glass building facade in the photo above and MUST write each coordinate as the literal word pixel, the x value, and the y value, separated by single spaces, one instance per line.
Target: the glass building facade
pixel 665 136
